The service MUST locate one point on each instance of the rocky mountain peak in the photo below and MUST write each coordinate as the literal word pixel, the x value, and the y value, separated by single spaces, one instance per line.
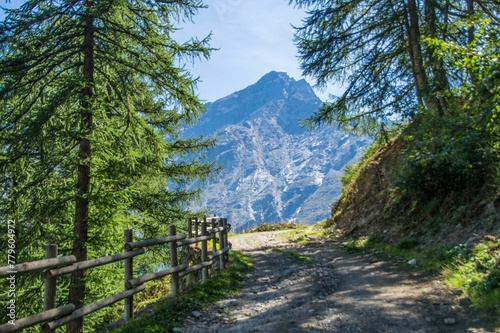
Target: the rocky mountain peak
pixel 274 77
pixel 296 100
pixel 280 82
pixel 273 170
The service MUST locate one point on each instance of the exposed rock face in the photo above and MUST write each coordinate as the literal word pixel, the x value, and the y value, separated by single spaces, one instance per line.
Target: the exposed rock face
pixel 273 170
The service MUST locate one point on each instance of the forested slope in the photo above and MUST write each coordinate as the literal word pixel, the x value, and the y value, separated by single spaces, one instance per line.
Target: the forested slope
pixel 378 200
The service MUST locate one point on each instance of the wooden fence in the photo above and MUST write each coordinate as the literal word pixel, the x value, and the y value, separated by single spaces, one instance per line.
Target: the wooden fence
pixel 56 316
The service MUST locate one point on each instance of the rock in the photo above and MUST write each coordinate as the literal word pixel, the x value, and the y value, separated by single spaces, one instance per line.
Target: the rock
pixel 490 238
pixel 490 209
pixel 450 321
pixel 178 330
pixel 412 262
pixel 471 241
pixel 196 314
pixel 457 291
pixel 189 321
pixel 464 300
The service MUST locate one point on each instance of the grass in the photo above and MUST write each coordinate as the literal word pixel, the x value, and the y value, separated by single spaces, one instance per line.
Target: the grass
pixel 294 255
pixel 295 236
pixel 478 274
pixel 274 226
pixel 351 172
pixel 306 233
pixel 474 270
pixel 357 245
pixel 172 312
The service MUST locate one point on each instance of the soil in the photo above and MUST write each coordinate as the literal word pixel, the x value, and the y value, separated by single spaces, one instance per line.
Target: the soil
pixel 335 292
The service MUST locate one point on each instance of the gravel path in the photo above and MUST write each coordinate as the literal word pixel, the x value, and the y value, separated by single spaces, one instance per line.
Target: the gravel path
pixel 336 292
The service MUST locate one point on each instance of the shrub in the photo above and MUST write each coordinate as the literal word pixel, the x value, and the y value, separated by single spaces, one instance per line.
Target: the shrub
pixel 407 243
pixel 447 154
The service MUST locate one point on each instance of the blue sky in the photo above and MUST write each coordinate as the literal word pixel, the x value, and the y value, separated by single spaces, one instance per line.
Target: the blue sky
pixel 254 37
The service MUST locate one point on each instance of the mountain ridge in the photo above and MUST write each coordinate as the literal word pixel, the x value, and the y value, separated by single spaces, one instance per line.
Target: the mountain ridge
pixel 273 169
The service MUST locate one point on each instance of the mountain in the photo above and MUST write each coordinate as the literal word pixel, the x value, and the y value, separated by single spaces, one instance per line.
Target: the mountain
pixel 273 170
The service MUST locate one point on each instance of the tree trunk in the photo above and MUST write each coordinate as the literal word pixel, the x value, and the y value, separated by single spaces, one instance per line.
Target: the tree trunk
pixel 421 83
pixel 440 77
pixel 80 226
pixel 471 34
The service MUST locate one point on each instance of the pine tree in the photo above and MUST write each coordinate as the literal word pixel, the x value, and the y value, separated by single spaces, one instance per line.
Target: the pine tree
pixel 380 51
pixel 93 98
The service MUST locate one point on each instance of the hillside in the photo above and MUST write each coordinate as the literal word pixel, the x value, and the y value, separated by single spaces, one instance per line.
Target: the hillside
pixel 452 231
pixel 272 169
pixel 373 205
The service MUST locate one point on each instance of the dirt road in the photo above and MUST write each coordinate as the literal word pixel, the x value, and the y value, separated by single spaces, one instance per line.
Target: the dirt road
pixel 332 292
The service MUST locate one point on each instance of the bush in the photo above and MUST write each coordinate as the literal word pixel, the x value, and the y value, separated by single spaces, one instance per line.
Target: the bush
pixel 447 154
pixel 407 243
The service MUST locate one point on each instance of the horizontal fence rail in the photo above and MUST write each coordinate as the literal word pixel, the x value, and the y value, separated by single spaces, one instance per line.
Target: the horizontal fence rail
pixel 53 317
pixel 36 265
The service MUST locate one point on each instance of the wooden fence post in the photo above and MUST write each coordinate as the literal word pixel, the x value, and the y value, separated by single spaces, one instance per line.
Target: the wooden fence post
pixel 49 298
pixel 190 227
pixel 173 262
pixel 204 249
pixel 222 263
pixel 128 274
pixel 214 241
pixel 54 266
pixel 226 240
pixel 196 223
